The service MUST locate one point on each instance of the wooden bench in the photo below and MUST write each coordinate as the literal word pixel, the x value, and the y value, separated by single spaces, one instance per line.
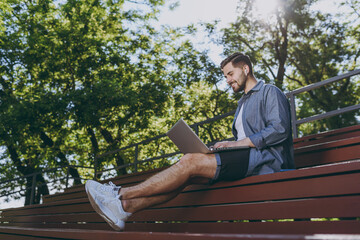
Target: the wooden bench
pixel 307 203
pixel 311 150
pixel 328 147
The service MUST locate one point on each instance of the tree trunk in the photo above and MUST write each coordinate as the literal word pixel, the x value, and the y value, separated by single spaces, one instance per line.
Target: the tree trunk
pixel 119 160
pixel 63 160
pixel 25 170
pixel 95 147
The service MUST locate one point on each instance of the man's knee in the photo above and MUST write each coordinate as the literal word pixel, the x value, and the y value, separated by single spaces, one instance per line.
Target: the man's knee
pixel 187 161
pixel 198 164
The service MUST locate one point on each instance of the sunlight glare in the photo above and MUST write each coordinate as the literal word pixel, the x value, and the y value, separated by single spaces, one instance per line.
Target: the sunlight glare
pixel 264 8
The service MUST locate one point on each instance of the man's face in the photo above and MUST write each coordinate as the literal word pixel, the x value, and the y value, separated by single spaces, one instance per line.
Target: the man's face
pixel 235 77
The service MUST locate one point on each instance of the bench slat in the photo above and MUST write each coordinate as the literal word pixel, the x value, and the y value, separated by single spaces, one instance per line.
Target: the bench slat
pixel 340 133
pixel 336 185
pixel 318 192
pixel 302 188
pixel 21 237
pixel 299 227
pixel 329 152
pixel 296 184
pixel 79 190
pixel 308 172
pixel 335 207
pixel 257 230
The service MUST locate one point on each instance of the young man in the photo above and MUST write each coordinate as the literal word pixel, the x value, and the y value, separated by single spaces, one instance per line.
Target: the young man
pixel 262 122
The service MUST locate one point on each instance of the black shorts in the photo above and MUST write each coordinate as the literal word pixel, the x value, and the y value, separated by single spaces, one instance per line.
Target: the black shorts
pixel 231 165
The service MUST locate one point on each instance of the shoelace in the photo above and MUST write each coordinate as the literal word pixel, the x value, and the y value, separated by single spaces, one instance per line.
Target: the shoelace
pixel 111 185
pixel 106 186
pixel 111 188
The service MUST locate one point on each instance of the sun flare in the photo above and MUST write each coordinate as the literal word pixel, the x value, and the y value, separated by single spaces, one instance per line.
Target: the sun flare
pixel 264 8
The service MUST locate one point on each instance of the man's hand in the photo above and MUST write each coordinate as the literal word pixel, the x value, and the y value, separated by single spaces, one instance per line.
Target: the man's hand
pixel 243 142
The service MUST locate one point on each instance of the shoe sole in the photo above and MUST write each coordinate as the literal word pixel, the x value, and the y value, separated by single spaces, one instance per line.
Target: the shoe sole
pixel 100 212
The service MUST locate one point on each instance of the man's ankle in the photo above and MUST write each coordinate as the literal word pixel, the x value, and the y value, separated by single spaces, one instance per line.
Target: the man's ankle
pixel 125 205
pixel 119 193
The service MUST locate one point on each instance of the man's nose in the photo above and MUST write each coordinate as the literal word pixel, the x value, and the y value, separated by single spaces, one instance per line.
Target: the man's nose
pixel 228 80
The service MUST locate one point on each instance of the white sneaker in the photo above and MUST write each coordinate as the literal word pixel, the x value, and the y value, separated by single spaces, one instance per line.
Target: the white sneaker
pixel 108 189
pixel 107 205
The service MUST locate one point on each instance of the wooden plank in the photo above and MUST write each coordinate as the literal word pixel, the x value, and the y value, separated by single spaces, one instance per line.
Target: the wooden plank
pixel 65 202
pixel 124 179
pixel 90 226
pixel 55 218
pixel 324 191
pixel 329 145
pixel 21 237
pixel 332 207
pixel 308 172
pixel 324 135
pixel 340 167
pixel 311 172
pixel 96 234
pixel 348 132
pixel 344 153
pixel 76 206
pixel 352 131
pixel 326 139
pixel 297 184
pixel 336 185
pixel 332 185
pixel 65 196
pixel 330 169
pixel 78 191
pixel 296 227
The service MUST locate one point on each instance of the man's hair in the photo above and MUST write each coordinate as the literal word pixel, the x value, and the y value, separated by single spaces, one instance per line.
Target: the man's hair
pixel 237 59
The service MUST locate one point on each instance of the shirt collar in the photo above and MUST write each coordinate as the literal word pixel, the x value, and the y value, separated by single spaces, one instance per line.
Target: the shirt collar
pixel 256 88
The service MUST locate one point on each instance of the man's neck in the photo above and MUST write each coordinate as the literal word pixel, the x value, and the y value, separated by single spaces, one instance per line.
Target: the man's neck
pixel 250 83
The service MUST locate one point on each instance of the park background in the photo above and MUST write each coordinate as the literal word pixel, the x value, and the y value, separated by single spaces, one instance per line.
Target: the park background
pixel 82 78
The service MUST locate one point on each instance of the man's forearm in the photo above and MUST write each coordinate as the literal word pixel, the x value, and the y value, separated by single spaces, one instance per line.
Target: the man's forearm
pixel 243 142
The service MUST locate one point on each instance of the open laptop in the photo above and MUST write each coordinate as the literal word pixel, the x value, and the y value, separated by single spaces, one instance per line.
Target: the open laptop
pixel 188 142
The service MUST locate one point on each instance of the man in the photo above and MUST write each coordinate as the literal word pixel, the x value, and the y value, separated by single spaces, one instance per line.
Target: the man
pixel 262 122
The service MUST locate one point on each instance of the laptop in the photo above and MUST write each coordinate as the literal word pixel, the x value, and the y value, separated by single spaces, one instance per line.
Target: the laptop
pixel 188 142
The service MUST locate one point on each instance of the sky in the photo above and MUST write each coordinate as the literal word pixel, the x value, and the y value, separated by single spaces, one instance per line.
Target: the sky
pixel 195 11
pixel 199 10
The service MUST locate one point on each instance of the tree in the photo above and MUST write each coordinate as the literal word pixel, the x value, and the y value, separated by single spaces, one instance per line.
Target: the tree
pixel 295 46
pixel 82 78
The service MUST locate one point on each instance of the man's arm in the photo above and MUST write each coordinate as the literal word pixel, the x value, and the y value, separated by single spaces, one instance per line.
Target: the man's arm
pixel 277 120
pixel 243 142
pixel 277 117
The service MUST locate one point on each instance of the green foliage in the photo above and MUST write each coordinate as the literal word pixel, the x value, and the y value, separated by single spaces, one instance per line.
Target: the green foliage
pixel 81 78
pixel 295 46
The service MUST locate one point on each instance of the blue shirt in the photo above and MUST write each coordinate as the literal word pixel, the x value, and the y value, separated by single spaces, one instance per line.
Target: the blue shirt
pixel 267 122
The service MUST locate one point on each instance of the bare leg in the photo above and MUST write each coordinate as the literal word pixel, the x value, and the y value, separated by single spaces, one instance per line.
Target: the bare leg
pixel 173 178
pixel 137 204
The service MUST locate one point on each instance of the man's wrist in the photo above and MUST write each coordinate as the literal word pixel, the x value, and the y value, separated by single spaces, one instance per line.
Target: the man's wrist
pixel 245 142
